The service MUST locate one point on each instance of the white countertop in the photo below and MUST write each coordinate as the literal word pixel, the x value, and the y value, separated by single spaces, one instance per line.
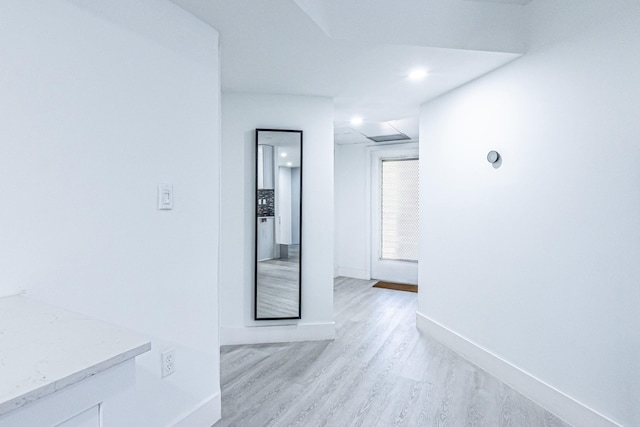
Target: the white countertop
pixel 44 348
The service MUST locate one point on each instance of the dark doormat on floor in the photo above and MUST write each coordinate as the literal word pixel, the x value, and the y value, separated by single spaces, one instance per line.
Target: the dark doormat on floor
pixel 397 286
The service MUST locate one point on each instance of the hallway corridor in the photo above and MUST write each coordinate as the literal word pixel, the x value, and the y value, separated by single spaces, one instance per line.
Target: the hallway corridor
pixel 379 371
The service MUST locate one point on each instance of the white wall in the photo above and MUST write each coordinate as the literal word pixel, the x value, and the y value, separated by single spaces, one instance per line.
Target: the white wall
pixel 352 211
pixel 538 262
pixel 101 101
pixel 241 115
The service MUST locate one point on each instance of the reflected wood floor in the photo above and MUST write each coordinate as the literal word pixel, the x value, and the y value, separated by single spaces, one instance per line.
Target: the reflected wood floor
pixel 379 371
pixel 278 290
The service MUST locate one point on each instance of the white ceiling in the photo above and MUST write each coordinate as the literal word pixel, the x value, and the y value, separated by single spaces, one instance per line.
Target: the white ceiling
pixel 359 52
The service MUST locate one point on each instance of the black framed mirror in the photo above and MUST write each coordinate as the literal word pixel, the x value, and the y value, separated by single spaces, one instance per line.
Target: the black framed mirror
pixel 278 232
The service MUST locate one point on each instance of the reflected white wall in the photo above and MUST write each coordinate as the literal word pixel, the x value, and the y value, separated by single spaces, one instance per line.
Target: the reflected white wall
pixel 295 205
pixel 283 200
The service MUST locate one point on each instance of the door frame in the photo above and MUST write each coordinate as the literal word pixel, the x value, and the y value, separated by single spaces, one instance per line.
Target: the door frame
pixel 375 154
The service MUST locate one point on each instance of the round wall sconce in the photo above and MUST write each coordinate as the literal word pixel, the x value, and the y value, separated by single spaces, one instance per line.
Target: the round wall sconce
pixel 493 156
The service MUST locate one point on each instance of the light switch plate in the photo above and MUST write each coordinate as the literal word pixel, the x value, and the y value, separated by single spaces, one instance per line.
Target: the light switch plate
pixel 165 196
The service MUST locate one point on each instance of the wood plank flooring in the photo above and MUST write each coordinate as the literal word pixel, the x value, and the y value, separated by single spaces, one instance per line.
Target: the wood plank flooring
pixel 379 371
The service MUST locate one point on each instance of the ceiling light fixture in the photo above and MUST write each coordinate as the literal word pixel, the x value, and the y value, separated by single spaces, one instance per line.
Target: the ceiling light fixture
pixel 283 154
pixel 418 74
pixel 289 163
pixel 356 121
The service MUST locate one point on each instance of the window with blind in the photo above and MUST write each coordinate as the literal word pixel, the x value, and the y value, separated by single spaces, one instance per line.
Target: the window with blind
pixel 399 210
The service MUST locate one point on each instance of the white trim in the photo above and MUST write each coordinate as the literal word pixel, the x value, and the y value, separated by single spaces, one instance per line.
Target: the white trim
pixel 355 273
pixel 207 413
pixel 545 395
pixel 279 333
pixel 213 406
pixel 367 188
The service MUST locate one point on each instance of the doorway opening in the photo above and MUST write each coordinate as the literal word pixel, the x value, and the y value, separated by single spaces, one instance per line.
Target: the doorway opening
pixel 395 215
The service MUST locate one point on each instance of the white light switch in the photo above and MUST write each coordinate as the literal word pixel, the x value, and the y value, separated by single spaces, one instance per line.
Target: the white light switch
pixel 165 196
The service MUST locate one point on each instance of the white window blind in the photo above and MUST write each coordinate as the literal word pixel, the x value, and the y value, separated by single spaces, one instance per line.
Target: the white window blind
pixel 400 209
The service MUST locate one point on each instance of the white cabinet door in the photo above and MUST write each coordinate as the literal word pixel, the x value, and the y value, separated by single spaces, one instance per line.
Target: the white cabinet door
pixel 88 418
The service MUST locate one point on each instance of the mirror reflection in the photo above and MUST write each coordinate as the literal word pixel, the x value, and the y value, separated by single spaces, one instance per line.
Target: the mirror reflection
pixel 278 211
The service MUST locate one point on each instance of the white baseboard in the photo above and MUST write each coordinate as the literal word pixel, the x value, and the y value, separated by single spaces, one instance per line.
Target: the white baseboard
pixel 550 398
pixel 355 273
pixel 277 333
pixel 207 413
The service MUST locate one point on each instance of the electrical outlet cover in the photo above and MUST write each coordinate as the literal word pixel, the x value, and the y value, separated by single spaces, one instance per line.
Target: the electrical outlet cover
pixel 168 362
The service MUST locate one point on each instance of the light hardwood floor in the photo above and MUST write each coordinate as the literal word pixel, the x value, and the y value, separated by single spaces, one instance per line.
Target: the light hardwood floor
pixel 379 371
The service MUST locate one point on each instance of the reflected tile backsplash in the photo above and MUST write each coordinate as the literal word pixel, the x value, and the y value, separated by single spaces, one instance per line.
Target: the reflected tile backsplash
pixel 266 203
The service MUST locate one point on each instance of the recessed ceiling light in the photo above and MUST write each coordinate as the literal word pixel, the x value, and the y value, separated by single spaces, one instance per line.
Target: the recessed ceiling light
pixel 418 74
pixel 283 154
pixel 356 121
pixel 289 163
